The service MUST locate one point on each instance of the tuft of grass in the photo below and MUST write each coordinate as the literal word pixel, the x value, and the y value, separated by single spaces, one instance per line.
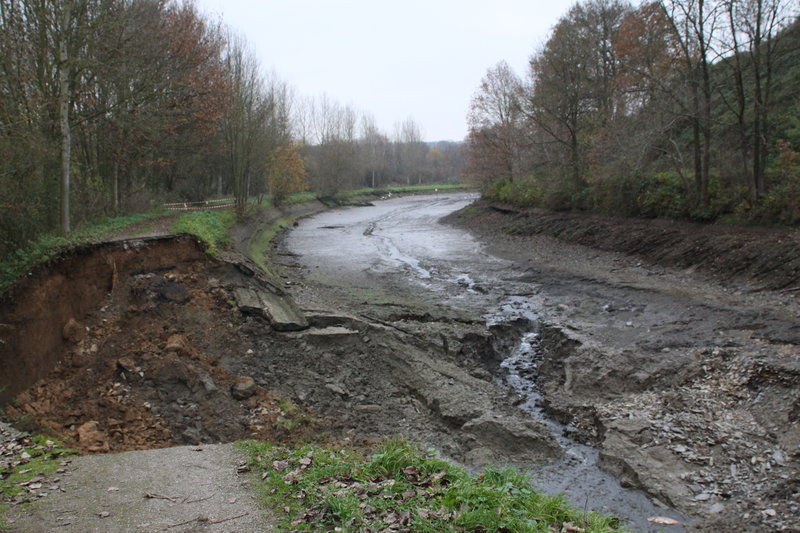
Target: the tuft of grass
pixel 292 417
pixel 48 246
pixel 209 226
pixel 42 457
pixel 322 489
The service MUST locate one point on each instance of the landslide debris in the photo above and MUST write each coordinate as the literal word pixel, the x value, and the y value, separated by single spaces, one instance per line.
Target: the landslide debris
pixel 169 346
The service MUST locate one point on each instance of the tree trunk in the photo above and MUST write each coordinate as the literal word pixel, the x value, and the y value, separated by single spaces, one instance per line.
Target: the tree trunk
pixel 66 134
pixel 116 187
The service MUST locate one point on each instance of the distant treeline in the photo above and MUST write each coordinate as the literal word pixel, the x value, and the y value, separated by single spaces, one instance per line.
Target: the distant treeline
pixel 110 106
pixel 678 108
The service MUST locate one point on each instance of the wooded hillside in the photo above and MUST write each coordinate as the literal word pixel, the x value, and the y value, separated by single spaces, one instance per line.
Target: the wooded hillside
pixel 677 108
pixel 116 106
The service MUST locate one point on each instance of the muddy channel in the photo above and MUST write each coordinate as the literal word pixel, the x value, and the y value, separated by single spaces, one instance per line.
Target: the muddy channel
pixel 396 256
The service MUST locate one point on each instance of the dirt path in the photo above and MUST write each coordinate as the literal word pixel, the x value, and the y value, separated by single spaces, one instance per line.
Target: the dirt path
pixel 179 489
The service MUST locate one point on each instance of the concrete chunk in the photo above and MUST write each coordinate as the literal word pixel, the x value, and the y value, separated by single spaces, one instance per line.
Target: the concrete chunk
pixel 280 311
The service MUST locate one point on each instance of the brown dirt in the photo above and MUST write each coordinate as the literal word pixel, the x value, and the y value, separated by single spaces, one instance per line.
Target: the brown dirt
pixel 123 348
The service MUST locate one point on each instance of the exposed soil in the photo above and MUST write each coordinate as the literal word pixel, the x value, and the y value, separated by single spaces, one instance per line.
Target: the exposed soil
pixel 762 257
pixel 128 353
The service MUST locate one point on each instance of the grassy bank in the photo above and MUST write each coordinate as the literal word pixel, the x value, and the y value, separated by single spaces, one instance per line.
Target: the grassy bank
pixel 48 246
pixel 211 227
pixel 402 488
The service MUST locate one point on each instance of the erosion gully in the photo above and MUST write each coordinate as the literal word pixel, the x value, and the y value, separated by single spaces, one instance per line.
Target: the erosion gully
pixel 398 247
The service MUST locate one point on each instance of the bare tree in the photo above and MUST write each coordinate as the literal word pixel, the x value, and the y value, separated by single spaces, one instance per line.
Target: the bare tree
pixel 494 120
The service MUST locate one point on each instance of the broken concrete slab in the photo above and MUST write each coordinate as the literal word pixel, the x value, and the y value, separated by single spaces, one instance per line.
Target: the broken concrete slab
pixel 280 311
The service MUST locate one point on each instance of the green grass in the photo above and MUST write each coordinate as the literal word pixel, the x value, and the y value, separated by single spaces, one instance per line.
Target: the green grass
pixel 50 245
pixel 260 242
pixel 209 226
pixel 322 489
pixel 45 457
pixel 403 189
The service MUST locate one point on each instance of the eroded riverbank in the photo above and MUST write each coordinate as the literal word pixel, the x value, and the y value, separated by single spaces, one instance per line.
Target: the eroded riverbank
pixel 681 387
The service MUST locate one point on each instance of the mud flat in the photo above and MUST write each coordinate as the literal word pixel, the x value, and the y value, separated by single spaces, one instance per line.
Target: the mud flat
pixel 681 366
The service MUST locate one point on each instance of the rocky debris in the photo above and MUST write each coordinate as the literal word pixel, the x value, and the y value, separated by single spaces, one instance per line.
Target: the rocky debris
pixel 719 440
pixel 91 438
pixel 280 311
pixel 243 388
pixel 151 379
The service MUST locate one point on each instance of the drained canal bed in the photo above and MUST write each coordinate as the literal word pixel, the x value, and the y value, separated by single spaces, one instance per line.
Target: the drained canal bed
pixel 682 387
pixel 416 328
pixel 397 257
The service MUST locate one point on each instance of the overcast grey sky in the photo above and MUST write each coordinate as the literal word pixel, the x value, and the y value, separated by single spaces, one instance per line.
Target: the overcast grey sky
pixel 406 58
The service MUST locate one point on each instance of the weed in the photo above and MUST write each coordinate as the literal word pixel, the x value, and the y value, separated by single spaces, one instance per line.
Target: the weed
pixel 292 417
pixel 318 488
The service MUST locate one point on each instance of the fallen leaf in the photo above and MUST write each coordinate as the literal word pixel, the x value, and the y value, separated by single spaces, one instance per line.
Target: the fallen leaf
pixel 280 466
pixel 663 520
pixel 104 514
pixel 232 501
pixel 112 489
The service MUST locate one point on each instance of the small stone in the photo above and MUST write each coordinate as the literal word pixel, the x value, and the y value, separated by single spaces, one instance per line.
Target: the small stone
pixel 703 497
pixel 126 364
pixel 177 343
pixel 73 331
pixel 92 438
pixel 243 388
pixel 717 508
pixel 368 408
pixel 770 512
pixel 336 389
